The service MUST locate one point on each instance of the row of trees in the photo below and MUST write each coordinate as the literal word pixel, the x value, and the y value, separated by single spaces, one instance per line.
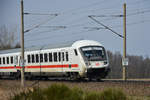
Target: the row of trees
pixel 138 67
pixel 7 38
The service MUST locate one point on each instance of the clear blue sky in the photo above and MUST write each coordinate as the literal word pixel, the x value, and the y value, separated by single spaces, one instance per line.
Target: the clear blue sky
pixel 73 14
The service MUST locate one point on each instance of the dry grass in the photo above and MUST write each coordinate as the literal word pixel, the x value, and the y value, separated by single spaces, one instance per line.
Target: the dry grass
pixel 136 91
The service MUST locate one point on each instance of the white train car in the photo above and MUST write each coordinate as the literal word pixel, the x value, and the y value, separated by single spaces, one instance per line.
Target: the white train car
pixel 80 59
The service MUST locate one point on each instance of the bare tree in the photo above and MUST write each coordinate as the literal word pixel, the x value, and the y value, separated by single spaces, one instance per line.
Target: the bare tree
pixel 7 38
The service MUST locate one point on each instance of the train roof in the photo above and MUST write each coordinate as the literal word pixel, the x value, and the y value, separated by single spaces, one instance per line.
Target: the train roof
pixel 78 43
pixel 37 48
pixel 82 43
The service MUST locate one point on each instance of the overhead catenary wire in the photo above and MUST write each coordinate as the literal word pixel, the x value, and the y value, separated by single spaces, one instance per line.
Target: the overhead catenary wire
pixel 94 28
pixel 89 29
pixel 120 26
pixel 43 32
pixel 57 28
pixel 105 26
pixel 28 13
pixel 107 19
pixel 58 36
pixel 73 11
pixel 78 33
pixel 54 27
pixel 113 16
pixel 68 26
pixel 70 11
pixel 88 6
pixel 87 22
pixel 106 15
pixel 110 8
pixel 36 26
pixel 138 9
pixel 120 15
pixel 139 12
pixel 139 22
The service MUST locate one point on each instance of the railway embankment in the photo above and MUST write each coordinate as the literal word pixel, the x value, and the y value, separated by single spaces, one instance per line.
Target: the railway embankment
pixel 137 90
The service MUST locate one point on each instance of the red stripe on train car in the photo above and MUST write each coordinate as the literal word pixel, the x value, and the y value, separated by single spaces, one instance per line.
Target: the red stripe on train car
pixel 7 67
pixel 43 66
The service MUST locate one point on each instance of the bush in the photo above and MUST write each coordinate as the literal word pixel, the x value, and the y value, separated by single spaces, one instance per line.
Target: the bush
pixel 62 92
pixel 92 96
pixel 112 94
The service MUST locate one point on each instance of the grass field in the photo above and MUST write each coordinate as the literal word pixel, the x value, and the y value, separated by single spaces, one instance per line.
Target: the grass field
pixel 133 90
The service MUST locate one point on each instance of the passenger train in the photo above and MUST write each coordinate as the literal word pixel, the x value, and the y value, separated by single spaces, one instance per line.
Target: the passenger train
pixel 77 60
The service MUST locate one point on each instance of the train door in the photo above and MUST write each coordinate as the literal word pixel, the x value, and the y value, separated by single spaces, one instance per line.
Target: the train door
pixel 17 66
pixel 15 60
pixel 71 58
pixel 62 59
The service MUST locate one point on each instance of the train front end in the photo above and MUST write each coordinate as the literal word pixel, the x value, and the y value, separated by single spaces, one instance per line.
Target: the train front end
pixel 93 59
pixel 96 61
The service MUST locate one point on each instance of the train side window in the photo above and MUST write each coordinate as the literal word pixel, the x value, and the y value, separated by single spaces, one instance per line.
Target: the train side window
pixel 41 57
pixel 0 61
pixel 59 55
pixel 11 59
pixel 29 59
pixel 55 56
pixel 50 57
pixel 63 57
pixel 37 58
pixel 45 57
pixel 3 60
pixel 67 58
pixel 7 59
pixel 33 59
pixel 75 51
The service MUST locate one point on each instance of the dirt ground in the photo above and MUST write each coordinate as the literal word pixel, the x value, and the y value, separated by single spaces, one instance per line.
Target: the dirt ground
pixel 136 90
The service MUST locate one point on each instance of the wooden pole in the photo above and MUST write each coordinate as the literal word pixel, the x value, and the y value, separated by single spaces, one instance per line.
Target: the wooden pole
pixel 22 45
pixel 124 41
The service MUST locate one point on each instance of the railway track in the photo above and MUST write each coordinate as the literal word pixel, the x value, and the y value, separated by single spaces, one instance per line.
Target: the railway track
pixel 85 80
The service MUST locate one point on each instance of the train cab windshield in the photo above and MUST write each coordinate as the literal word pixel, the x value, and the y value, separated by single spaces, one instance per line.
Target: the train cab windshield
pixel 94 53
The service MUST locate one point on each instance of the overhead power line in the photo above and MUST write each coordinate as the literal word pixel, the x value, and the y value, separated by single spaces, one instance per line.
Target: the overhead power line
pixel 139 12
pixel 118 26
pixel 58 36
pixel 81 8
pixel 60 27
pixel 42 32
pixel 138 22
pixel 40 14
pixel 94 28
pixel 105 26
pixel 38 25
pixel 106 15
